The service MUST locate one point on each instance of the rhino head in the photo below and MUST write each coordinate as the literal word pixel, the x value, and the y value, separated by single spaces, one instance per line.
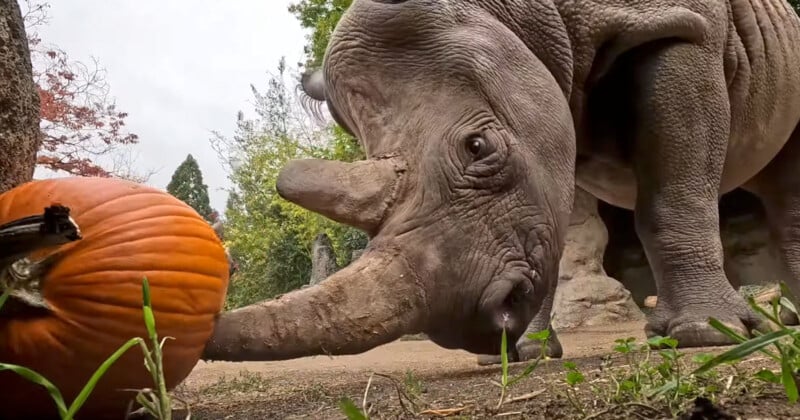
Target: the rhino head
pixel 465 194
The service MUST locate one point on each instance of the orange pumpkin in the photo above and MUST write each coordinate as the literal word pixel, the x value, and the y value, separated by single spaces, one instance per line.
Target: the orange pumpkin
pixel 93 294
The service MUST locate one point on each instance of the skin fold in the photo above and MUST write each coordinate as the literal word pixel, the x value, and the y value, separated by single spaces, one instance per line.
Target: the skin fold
pixel 478 119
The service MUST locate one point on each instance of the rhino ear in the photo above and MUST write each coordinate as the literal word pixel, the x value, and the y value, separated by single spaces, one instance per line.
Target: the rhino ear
pixel 313 84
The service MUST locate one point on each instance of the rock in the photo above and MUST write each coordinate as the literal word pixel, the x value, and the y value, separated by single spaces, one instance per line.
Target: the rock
pixel 586 295
pixel 323 259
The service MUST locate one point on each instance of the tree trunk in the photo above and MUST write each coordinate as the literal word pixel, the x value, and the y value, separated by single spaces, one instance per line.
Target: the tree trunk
pixel 323 259
pixel 20 136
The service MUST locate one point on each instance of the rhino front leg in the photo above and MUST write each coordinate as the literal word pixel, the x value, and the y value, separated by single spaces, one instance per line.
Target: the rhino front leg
pixel 682 124
pixel 778 187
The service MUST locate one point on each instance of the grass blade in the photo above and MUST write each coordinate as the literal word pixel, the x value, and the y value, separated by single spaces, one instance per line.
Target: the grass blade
pixel 504 357
pixel 719 326
pixel 89 387
pixel 528 370
pixel 744 349
pixel 38 379
pixel 147 308
pixel 350 410
pixel 787 379
pixel 3 298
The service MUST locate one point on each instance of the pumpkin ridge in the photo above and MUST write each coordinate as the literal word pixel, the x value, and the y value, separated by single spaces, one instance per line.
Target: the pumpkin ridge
pixel 157 245
pixel 98 243
pixel 136 197
pixel 182 216
pixel 106 336
pixel 70 296
pixel 133 217
pixel 206 267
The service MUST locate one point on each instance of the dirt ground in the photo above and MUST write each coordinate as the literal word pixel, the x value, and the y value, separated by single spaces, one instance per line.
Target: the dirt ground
pixel 444 382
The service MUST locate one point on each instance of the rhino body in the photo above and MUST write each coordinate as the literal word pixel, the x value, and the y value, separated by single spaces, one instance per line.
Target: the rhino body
pixel 479 117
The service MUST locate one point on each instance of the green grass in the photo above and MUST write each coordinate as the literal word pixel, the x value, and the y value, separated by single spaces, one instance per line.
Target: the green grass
pixel 659 378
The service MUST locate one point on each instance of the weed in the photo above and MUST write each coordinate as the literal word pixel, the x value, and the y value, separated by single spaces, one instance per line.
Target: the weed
pixel 505 381
pixel 414 386
pixel 573 378
pixel 350 410
pixel 156 403
pixel 653 374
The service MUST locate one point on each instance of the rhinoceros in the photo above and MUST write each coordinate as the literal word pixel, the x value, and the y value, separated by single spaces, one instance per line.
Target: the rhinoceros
pixel 479 118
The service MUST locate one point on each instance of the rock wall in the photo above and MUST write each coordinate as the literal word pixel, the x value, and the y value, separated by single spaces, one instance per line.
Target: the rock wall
pixel 586 295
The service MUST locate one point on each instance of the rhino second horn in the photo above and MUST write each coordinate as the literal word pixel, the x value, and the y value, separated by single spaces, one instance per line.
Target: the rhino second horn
pixel 357 194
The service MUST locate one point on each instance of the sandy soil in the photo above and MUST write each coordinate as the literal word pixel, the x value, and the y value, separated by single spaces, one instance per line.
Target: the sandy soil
pixel 311 387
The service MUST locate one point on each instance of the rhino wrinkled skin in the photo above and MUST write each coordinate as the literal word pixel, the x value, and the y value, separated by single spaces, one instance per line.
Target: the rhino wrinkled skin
pixel 480 117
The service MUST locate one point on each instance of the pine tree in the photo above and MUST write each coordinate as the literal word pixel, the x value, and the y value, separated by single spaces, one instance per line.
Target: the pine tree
pixel 187 185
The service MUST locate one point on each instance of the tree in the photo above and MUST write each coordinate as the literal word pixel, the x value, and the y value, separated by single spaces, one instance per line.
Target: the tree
pixel 19 105
pixel 80 123
pixel 187 185
pixel 321 17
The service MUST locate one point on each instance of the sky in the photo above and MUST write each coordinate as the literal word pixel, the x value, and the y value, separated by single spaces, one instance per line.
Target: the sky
pixel 180 68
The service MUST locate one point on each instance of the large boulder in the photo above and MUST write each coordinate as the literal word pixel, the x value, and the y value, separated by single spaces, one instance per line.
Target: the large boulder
pixel 586 295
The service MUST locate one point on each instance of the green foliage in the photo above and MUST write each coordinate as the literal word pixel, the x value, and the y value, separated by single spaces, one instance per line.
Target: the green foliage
pixel 505 381
pixel 157 402
pixel 321 17
pixel 350 410
pixel 795 4
pixel 187 185
pixel 269 237
pixel 652 374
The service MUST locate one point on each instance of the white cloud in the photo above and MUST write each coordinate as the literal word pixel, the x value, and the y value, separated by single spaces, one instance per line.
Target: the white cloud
pixel 180 68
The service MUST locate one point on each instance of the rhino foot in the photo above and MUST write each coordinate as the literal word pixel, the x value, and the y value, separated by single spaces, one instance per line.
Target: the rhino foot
pixel 526 350
pixel 691 328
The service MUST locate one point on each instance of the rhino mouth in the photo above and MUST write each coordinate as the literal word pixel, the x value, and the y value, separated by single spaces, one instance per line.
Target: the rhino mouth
pixel 513 312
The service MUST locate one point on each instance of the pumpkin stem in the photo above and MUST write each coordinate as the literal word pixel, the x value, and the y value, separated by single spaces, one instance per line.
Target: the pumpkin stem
pixel 21 276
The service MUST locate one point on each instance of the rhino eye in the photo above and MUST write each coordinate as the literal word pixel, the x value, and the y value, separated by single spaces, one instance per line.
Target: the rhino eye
pixel 476 145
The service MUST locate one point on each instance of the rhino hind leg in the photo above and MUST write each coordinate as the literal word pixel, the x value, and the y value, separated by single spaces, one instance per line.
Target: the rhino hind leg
pixel 778 187
pixel 682 123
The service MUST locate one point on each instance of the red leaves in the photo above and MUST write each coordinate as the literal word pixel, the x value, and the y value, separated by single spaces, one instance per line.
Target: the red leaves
pixel 78 120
